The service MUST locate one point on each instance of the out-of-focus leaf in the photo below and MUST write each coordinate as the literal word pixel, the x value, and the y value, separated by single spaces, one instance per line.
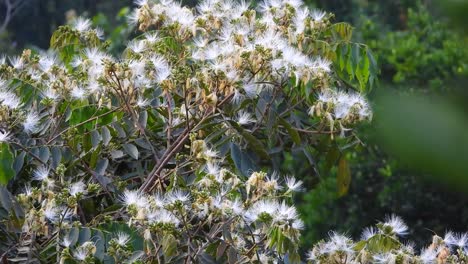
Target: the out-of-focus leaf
pixel 19 162
pixel 106 135
pixel 430 136
pixel 254 143
pixel 242 160
pixel 292 132
pixel 344 177
pixel 6 164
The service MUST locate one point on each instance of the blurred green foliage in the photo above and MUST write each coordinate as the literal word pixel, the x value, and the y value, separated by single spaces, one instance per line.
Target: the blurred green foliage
pixel 426 54
pixel 417 135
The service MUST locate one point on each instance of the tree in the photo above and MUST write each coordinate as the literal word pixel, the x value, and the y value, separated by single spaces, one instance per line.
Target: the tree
pixel 164 153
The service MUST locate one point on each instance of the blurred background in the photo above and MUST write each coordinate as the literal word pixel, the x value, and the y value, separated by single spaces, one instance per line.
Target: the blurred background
pixel 414 157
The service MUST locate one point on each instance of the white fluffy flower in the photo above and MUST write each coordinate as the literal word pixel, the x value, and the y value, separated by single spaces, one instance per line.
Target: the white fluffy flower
pixel 397 225
pixel 82 24
pixel 178 196
pixel 318 15
pixel 244 118
pixel 31 122
pixel 80 253
pixel 77 188
pixel 368 232
pixel 4 136
pixel 293 184
pixel 134 197
pixel 429 256
pixel 40 173
pixel 122 238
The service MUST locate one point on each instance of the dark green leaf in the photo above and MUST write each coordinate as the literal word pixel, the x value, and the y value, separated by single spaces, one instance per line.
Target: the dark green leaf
pixel 6 164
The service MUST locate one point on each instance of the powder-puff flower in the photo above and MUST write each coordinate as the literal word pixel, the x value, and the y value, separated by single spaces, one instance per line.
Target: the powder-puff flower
pixel 141 102
pixel 78 92
pixel 211 153
pixel 397 225
pixel 137 67
pixel 250 89
pixel 212 168
pixel 460 240
pixel 318 15
pixel 77 61
pixel 95 55
pixel 41 173
pixel 293 184
pixel 236 207
pixel 17 62
pixel 321 64
pixel 50 94
pixel 141 3
pixel 10 100
pixel 27 190
pixel 368 232
pixel 163 74
pixel 66 241
pixel 99 33
pixel 339 242
pixel 244 118
pixel 261 207
pixel 271 182
pixel 158 200
pixel 134 197
pixel 4 136
pixel 137 46
pixel 80 253
pixel 384 258
pixel 82 24
pixel 46 63
pixel 428 256
pixel 77 188
pixel 311 255
pixel 286 213
pixel 163 216
pixel 122 238
pixel 51 213
pixel 152 37
pixel 450 238
pixel 56 214
pixel 178 196
pixel 200 42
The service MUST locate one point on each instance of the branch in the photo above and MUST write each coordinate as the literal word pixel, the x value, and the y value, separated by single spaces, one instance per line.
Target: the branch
pixel 12 7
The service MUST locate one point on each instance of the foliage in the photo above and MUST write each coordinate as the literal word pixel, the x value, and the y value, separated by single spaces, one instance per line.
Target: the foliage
pixel 426 52
pixel 382 244
pixel 163 154
pixel 381 180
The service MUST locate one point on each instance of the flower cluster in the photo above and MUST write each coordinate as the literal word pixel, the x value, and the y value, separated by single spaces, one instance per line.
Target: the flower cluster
pixel 341 108
pixel 151 155
pixel 219 197
pixel 382 245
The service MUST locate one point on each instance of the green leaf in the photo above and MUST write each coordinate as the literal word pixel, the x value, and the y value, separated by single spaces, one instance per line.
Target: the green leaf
pixel 254 143
pixel 106 135
pixel 169 246
pixel 95 138
pixel 131 150
pixel 343 31
pixel 143 119
pixel 6 164
pixel 84 235
pixel 292 132
pixel 344 177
